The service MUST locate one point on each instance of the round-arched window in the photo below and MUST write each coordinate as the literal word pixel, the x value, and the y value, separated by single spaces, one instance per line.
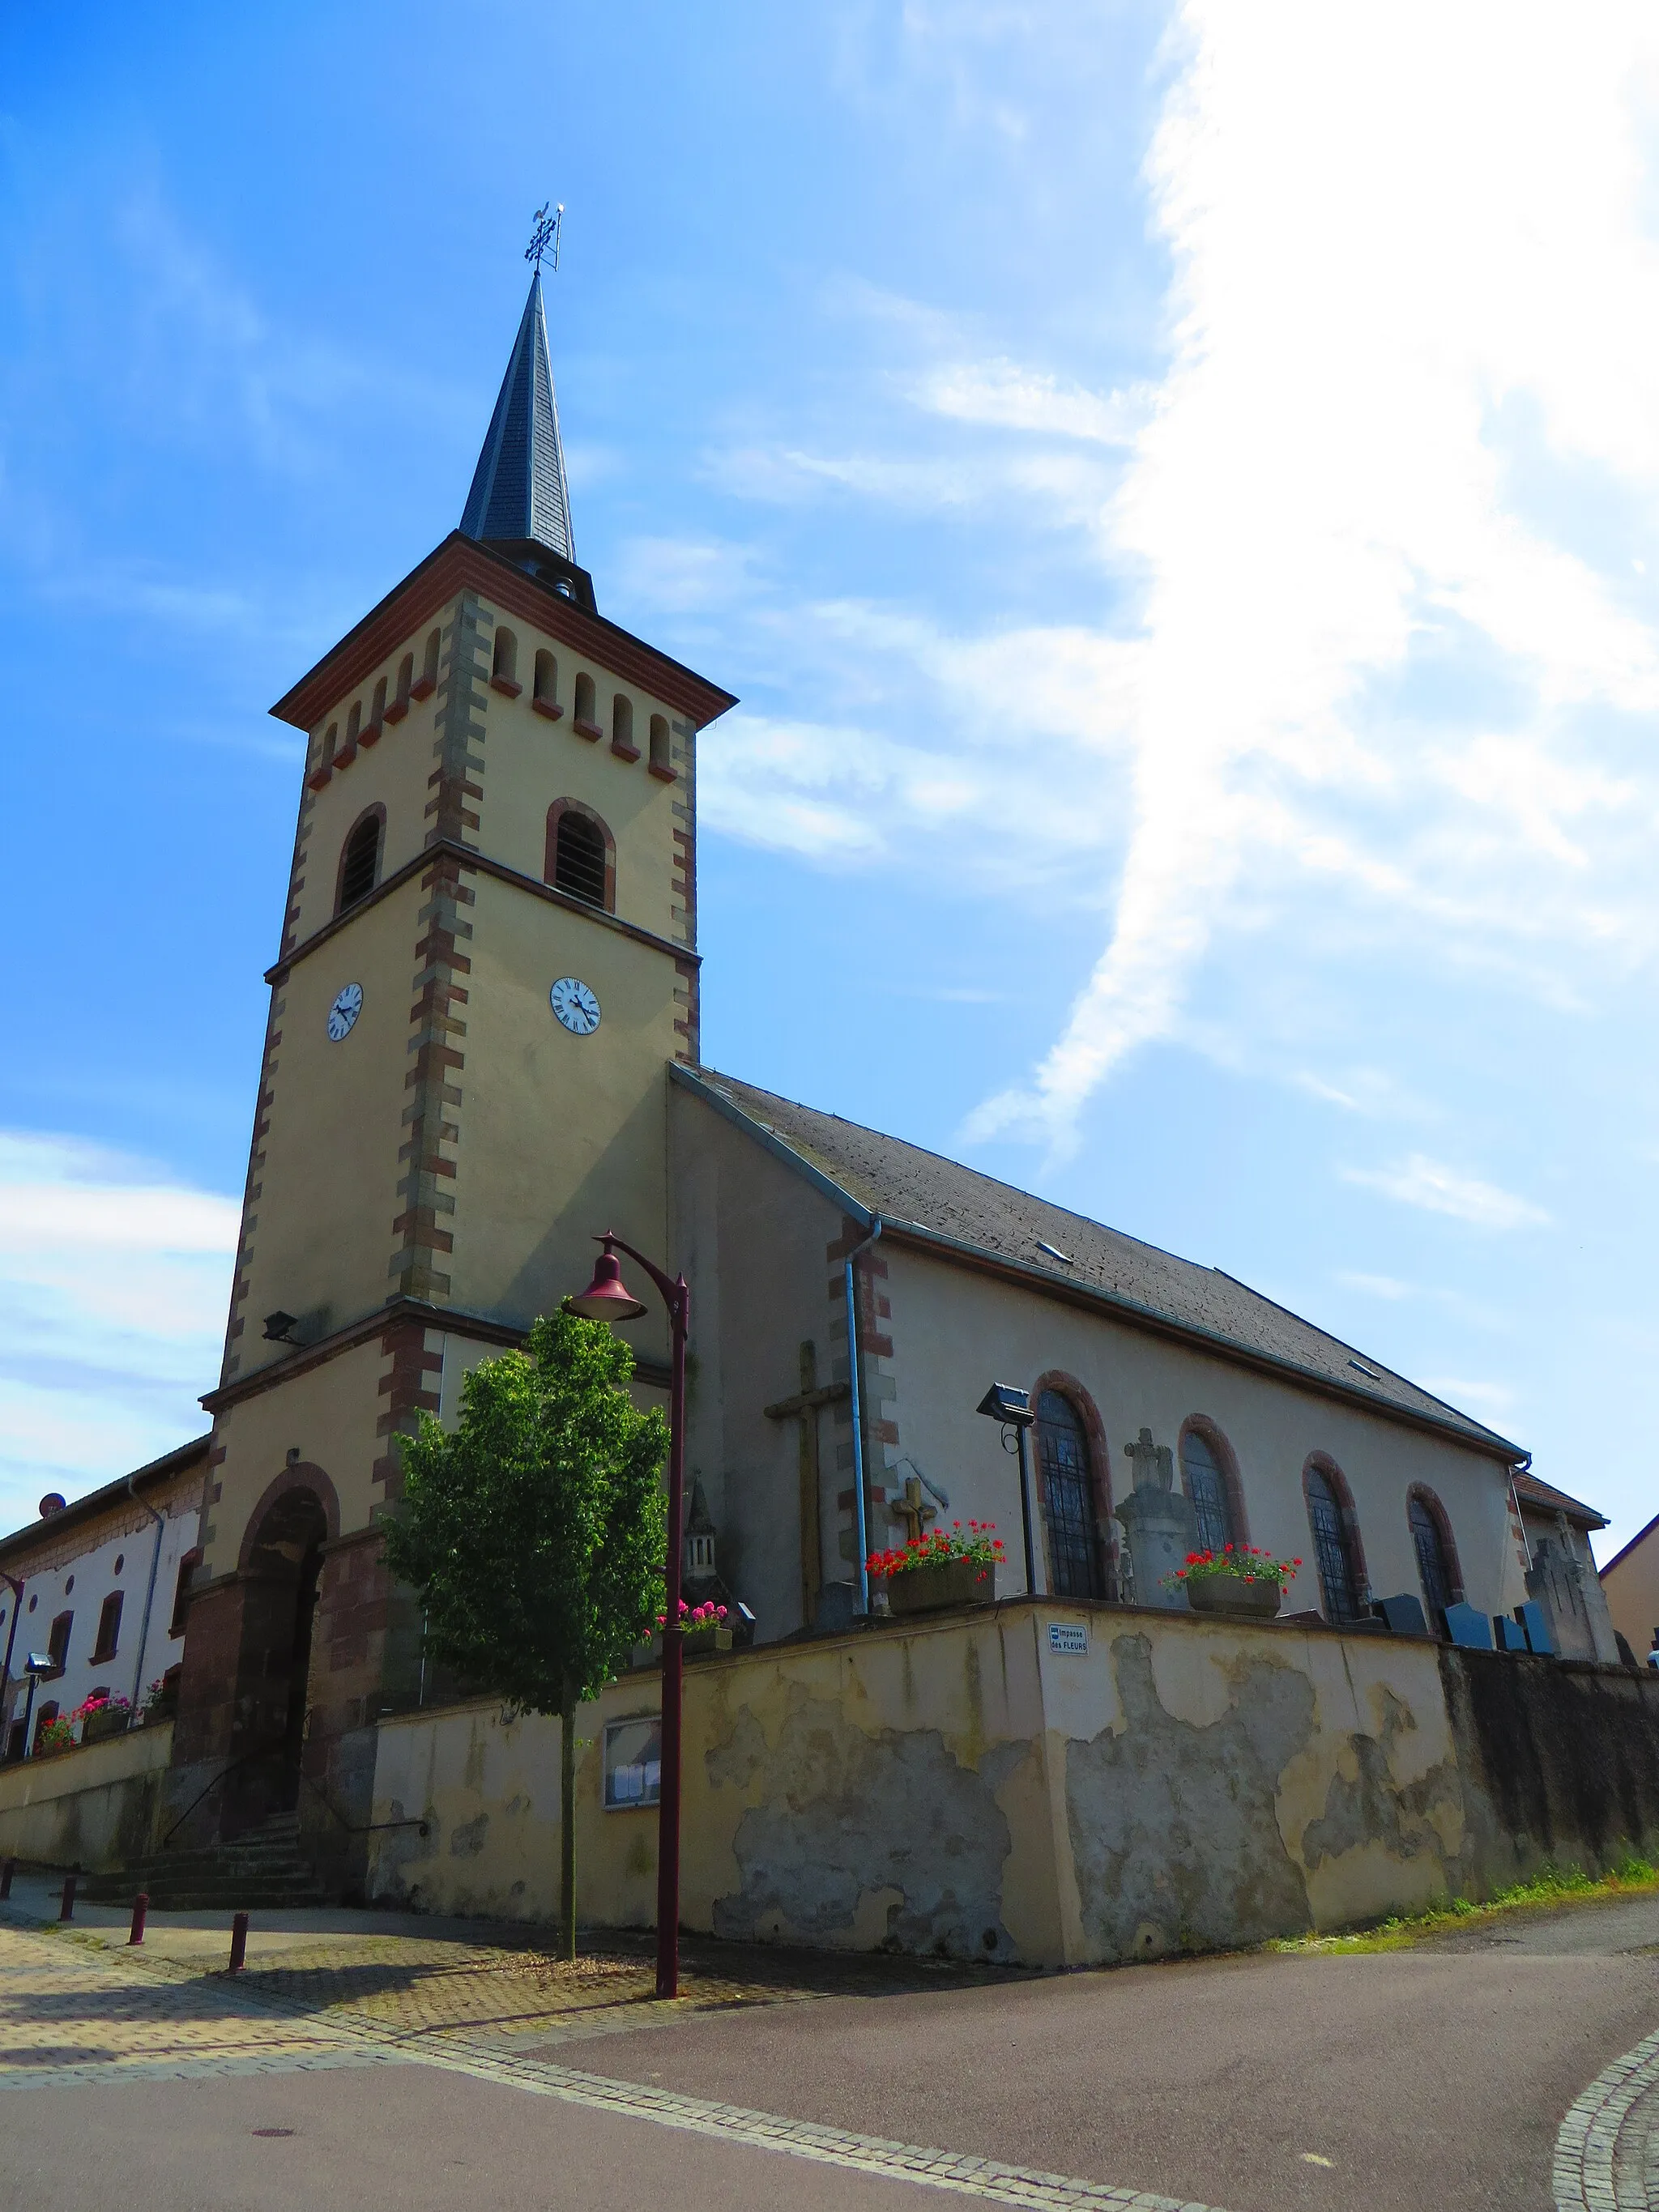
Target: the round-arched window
pixel 1337 1583
pixel 1207 1487
pixel 1068 1500
pixel 1433 1567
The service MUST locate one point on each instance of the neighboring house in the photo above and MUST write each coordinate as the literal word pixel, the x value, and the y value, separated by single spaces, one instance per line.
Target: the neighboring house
pixel 86 1572
pixel 1561 1572
pixel 1630 1590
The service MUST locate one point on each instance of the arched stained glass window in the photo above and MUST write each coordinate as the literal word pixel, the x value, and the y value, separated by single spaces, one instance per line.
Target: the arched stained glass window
pixel 1207 1487
pixel 1433 1568
pixel 1337 1582
pixel 1068 1499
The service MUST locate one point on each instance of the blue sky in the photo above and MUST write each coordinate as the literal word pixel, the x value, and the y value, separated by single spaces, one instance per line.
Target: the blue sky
pixel 1176 488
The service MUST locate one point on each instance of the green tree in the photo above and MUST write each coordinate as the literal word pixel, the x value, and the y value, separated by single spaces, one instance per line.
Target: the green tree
pixel 535 1533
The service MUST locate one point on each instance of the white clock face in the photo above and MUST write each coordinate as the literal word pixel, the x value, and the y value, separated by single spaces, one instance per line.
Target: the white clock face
pixel 344 1011
pixel 575 1005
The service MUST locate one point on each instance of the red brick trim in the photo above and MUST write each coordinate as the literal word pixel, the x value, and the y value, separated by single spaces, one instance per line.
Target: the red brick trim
pixel 591 731
pixel 625 752
pixel 505 686
pixel 556 814
pixel 662 774
pixel 546 708
pixel 1226 1459
pixel 461 564
pixel 302 1475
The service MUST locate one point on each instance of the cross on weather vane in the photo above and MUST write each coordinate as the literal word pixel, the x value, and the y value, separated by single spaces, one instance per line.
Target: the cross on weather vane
pixel 544 238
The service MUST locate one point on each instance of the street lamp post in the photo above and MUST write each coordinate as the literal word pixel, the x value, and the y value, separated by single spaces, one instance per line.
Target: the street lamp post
pixel 1003 1402
pixel 608 1299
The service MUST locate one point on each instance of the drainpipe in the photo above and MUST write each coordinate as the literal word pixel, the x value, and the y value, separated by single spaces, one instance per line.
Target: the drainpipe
pixel 11 1639
pixel 149 1593
pixel 860 1519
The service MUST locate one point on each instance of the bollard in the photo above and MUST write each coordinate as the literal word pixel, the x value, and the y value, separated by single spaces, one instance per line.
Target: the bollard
pixel 66 1910
pixel 239 1942
pixel 6 1874
pixel 140 1913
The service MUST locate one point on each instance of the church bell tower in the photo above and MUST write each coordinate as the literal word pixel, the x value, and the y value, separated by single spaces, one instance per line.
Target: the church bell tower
pixel 486 963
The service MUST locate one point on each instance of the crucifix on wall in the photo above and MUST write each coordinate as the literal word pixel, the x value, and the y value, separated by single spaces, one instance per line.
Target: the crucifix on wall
pixel 913 1508
pixel 804 1408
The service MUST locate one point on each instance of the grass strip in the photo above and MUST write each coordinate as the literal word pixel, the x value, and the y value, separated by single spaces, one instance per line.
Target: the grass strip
pixel 1551 1885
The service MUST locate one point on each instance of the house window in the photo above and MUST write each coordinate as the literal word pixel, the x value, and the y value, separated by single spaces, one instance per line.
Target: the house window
pixel 587 706
pixel 1339 1585
pixel 579 857
pixel 661 763
pixel 44 1717
pixel 504 662
pixel 187 1566
pixel 359 864
pixel 58 1642
pixel 109 1628
pixel 1206 1483
pixel 1068 1500
pixel 545 691
pixel 1435 1568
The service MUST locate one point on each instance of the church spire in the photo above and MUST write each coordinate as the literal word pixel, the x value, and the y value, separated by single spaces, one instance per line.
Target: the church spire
pixel 518 492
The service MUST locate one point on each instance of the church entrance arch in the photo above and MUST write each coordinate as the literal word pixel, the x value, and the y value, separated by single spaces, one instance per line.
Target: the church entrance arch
pixel 280 1567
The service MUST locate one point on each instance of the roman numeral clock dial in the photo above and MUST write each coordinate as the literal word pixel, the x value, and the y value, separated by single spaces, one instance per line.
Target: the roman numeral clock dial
pixel 575 1006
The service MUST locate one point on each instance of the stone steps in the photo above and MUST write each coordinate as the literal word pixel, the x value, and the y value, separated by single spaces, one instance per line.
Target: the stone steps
pixel 263 1868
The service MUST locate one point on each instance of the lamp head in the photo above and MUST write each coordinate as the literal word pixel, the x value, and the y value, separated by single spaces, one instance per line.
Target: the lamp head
pixel 607 1297
pixel 1003 1402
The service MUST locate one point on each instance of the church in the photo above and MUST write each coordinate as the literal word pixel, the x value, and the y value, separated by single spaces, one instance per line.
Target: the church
pixel 482 1051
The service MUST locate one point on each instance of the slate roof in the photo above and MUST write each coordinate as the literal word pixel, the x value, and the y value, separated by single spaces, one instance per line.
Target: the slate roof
pixel 519 490
pixel 1531 1492
pixel 942 1203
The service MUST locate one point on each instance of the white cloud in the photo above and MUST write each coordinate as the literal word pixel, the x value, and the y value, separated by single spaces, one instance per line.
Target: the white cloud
pixel 1412 321
pixel 1004 396
pixel 1437 1188
pixel 1376 1286
pixel 114 1285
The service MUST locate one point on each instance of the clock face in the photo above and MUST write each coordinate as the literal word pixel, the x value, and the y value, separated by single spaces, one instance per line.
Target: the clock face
pixel 575 1005
pixel 344 1011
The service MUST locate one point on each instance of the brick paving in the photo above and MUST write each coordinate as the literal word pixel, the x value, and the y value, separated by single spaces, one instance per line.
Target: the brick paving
pixel 1606 2154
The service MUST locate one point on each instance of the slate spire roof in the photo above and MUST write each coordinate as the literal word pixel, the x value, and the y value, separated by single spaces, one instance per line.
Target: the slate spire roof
pixel 518 491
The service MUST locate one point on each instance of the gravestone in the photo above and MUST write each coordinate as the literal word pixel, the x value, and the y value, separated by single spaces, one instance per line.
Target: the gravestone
pixel 1403 1614
pixel 1159 1524
pixel 1469 1628
pixel 1539 1639
pixel 1509 1634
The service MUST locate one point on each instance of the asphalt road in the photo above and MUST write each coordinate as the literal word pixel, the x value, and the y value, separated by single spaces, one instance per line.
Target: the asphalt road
pixel 1428 2077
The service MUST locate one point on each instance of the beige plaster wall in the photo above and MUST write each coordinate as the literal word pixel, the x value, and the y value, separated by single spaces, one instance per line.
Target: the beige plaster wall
pixel 393 773
pixel 954 1331
pixel 321 1227
pixel 562 1137
pixel 1630 1586
pixel 328 1413
pixel 94 1807
pixel 958 1786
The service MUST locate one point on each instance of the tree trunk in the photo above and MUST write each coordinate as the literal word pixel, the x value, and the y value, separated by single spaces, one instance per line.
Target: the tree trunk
pixel 568 1819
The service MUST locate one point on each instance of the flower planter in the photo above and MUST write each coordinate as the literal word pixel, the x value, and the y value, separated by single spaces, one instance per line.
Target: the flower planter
pixel 97 1726
pixel 955 1582
pixel 699 1640
pixel 1256 1600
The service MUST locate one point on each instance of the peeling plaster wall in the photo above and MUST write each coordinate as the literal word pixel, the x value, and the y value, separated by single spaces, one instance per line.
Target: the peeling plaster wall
pixel 955 1786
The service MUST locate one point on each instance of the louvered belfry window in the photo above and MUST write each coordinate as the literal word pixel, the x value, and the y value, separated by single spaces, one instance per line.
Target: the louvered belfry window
pixel 579 859
pixel 1068 1506
pixel 362 861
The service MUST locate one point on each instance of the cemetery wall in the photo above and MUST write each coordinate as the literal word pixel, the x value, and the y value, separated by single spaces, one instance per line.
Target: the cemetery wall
pixel 94 1807
pixel 1040 1781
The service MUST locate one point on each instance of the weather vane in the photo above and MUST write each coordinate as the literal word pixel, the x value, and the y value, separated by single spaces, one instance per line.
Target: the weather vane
pixel 544 238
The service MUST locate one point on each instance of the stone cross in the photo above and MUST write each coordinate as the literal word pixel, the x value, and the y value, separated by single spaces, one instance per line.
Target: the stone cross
pixel 804 1408
pixel 1153 1464
pixel 913 1509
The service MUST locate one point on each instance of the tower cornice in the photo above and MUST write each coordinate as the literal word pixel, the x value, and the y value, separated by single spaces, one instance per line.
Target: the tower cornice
pixel 461 563
pixel 470 857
